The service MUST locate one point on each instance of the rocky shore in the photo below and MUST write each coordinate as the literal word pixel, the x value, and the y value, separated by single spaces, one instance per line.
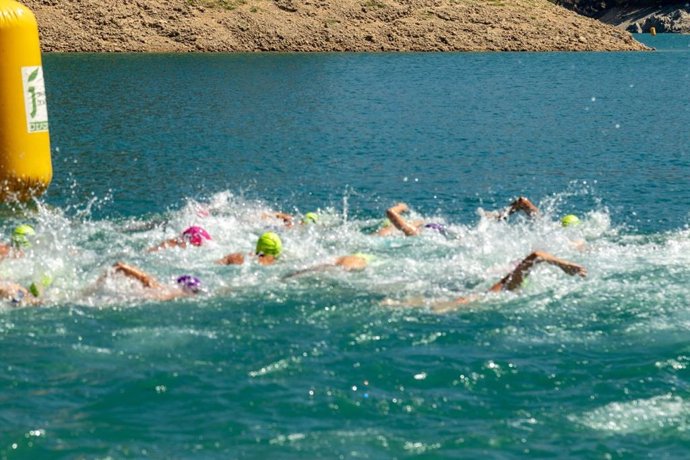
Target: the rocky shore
pixel 320 25
pixel 636 16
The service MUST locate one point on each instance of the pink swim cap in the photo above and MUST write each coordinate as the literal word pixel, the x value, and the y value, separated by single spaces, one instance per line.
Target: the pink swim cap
pixel 195 235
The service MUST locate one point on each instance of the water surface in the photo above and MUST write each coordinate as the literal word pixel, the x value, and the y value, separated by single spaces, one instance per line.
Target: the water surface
pixel 316 367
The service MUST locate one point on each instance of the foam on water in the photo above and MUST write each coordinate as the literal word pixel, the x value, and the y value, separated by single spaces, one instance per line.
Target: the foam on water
pixel 647 270
pixel 636 292
pixel 661 413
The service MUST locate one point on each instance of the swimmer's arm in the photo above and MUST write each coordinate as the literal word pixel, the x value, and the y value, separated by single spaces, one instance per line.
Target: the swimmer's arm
pixel 525 205
pixel 386 231
pixel 520 204
pixel 171 243
pixel 347 263
pixel 314 269
pixel 235 258
pixel 514 279
pixel 394 215
pixel 455 304
pixel 351 263
pixel 286 218
pixel 132 272
pixel 167 294
pixel 441 306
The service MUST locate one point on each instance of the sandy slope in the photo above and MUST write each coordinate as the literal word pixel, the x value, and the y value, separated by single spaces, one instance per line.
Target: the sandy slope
pixel 319 25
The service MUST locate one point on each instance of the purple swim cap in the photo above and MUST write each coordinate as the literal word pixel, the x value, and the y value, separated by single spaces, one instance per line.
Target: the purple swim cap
pixel 189 283
pixel 195 235
pixel 438 227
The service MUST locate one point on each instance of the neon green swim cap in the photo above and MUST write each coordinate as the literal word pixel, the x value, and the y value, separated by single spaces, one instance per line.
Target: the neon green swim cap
pixel 310 218
pixel 20 234
pixel 570 219
pixel 269 244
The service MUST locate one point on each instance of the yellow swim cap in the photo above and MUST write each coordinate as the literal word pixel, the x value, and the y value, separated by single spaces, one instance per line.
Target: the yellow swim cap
pixel 269 244
pixel 569 220
pixel 310 218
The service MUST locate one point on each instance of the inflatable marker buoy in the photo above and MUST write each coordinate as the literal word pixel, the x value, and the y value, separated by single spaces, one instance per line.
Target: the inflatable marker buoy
pixel 25 166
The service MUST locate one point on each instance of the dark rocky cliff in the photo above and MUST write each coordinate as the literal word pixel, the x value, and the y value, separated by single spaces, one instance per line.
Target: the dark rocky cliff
pixel 636 16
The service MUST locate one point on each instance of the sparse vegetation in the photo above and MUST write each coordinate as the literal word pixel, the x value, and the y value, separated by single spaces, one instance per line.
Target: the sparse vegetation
pixel 224 4
pixel 374 4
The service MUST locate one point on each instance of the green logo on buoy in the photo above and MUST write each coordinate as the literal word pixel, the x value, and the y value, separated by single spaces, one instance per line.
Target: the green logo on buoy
pixel 35 99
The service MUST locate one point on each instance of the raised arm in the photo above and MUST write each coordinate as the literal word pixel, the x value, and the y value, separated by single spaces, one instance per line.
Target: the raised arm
pixel 132 272
pixel 394 214
pixel 514 279
pixel 520 204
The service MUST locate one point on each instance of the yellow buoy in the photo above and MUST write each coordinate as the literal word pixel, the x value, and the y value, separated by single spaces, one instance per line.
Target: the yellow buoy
pixel 25 166
pixel 652 30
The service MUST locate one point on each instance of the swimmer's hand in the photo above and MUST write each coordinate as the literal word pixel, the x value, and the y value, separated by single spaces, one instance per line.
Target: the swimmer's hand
pixel 571 268
pixel 399 208
pixel 236 258
pixel 574 269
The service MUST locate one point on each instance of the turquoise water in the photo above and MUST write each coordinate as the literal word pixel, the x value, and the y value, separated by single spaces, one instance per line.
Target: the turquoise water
pixel 319 366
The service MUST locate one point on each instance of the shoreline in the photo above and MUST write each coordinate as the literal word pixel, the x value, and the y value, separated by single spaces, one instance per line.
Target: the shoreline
pixel 348 26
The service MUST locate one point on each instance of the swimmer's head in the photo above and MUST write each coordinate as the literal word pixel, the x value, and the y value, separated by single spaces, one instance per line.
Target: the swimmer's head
pixel 569 220
pixel 195 235
pixel 310 218
pixel 21 234
pixel 189 283
pixel 437 227
pixel 269 244
pixel 385 223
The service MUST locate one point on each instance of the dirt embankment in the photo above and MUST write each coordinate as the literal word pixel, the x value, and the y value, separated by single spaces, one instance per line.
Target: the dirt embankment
pixel 320 25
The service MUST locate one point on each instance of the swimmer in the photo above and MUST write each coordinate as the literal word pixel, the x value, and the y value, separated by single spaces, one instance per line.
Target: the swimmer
pixel 520 204
pixel 288 220
pixel 526 206
pixel 395 217
pixel 350 263
pixel 16 294
pixel 268 249
pixel 193 235
pixel 511 282
pixel 20 240
pixel 187 285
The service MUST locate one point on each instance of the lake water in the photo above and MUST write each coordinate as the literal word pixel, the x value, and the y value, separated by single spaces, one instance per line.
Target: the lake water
pixel 318 366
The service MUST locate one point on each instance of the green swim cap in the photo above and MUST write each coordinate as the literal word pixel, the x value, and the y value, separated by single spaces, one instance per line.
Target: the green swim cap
pixel 569 220
pixel 37 288
pixel 269 244
pixel 20 234
pixel 310 218
pixel 33 289
pixel 385 223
